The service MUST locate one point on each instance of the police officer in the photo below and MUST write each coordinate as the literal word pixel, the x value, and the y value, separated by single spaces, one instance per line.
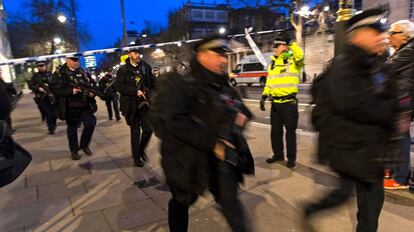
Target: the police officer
pixel 111 96
pixel 134 81
pixel 40 85
pixel 76 104
pixel 196 155
pixel 361 116
pixel 282 87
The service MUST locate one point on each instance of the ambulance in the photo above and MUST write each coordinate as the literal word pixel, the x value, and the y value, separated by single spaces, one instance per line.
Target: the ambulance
pixel 250 71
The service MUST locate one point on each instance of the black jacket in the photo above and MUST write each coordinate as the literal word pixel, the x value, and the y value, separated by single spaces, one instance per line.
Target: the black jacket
pixel 129 80
pixel 402 66
pixel 363 112
pixel 62 83
pixel 5 101
pixel 38 79
pixel 106 86
pixel 195 121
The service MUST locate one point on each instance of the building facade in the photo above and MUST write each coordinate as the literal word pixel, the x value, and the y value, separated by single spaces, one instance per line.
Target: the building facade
pixel 400 9
pixel 196 20
pixel 7 72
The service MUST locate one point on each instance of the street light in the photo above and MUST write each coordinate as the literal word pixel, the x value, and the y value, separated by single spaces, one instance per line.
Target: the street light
pixel 57 40
pixel 222 30
pixel 304 11
pixel 62 18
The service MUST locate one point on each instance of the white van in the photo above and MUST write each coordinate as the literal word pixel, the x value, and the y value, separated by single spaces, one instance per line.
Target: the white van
pixel 250 71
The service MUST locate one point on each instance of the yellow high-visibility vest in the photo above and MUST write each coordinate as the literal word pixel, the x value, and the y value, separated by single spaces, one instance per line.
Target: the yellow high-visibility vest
pixel 283 78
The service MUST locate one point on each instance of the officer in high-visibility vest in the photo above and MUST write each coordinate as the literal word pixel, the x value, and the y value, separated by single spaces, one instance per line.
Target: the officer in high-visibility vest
pixel 281 88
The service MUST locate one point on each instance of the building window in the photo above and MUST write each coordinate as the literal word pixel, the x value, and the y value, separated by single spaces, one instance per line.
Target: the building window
pixel 411 9
pixel 196 14
pixel 209 14
pixel 221 15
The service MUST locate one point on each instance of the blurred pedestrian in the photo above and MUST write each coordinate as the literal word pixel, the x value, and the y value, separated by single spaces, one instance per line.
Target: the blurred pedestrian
pixel 156 72
pixel 39 84
pixel 401 38
pixel 281 88
pixel 13 158
pixel 134 81
pixel 77 104
pixel 202 146
pixel 360 121
pixel 111 97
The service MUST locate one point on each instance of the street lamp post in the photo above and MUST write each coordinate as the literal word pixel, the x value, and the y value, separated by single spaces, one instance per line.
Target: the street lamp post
pixel 345 12
pixel 124 40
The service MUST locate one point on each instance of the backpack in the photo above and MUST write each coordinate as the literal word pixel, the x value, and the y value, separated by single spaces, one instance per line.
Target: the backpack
pixel 322 116
pixel 158 105
pixel 320 98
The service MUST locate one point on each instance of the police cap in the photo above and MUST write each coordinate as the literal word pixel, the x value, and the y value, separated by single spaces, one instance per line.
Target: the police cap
pixel 40 63
pixel 374 18
pixel 215 43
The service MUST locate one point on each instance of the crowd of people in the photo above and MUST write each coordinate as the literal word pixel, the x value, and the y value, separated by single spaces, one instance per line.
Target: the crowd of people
pixel 364 103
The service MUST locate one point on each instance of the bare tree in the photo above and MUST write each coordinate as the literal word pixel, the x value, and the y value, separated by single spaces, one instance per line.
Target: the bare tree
pixel 38 22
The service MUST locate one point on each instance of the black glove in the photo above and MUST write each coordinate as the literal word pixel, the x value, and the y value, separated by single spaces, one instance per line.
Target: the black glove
pixel 262 103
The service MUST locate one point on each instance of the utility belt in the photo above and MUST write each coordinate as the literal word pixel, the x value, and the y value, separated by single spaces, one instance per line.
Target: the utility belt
pixel 284 98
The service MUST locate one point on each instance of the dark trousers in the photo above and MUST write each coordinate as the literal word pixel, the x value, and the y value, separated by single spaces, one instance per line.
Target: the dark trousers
pixel 401 173
pixel 284 115
pixel 138 142
pixel 48 110
pixel 74 117
pixel 370 198
pixel 112 102
pixel 225 190
pixel 42 114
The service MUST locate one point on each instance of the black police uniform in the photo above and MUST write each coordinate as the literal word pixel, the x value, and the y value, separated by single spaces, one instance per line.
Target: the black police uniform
pixel 111 96
pixel 75 109
pixel 45 101
pixel 130 79
pixel 5 102
pixel 194 118
pixel 356 136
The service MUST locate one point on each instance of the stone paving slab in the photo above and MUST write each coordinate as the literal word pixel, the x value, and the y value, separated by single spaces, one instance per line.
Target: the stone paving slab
pixel 90 222
pixel 134 215
pixel 106 191
pixel 33 214
pixel 58 190
pixel 54 176
pixel 98 193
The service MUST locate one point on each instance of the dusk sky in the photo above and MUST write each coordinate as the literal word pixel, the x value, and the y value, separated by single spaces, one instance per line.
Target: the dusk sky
pixel 102 18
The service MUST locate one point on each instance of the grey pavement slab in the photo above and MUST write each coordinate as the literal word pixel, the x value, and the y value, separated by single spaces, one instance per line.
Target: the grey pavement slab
pixel 33 214
pixel 18 196
pixel 57 190
pixel 134 215
pixel 90 222
pixel 98 193
pixel 106 191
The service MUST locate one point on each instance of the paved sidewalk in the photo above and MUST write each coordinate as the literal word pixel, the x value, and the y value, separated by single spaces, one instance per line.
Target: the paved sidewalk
pixel 106 193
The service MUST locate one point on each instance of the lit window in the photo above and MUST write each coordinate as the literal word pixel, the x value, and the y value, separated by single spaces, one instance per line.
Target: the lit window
pixel 411 9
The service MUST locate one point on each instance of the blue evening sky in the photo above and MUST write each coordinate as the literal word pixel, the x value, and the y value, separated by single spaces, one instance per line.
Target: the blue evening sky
pixel 103 17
